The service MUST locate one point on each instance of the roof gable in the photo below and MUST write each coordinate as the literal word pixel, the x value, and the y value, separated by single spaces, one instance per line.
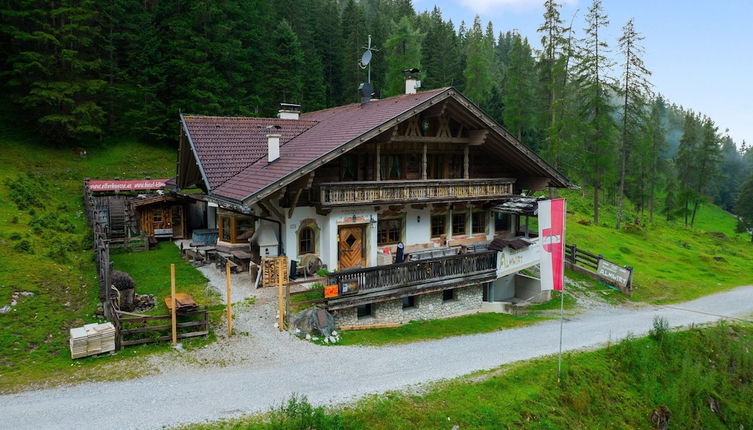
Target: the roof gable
pixel 227 145
pixel 241 172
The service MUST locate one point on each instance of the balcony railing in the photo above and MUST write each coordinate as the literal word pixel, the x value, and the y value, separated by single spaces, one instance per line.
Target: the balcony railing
pixel 395 280
pixel 355 193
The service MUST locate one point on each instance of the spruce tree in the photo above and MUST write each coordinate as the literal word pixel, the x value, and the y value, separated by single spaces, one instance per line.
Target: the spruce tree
pixel 518 98
pixel 402 51
pixel 744 207
pixel 594 88
pixel 440 53
pixel 479 69
pixel 635 89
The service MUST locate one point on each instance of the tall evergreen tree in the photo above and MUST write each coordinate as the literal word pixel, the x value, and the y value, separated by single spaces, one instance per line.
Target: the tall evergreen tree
pixel 53 68
pixel 479 69
pixel 354 38
pixel 285 65
pixel 744 207
pixel 403 51
pixel 519 104
pixel 636 89
pixel 440 52
pixel 595 87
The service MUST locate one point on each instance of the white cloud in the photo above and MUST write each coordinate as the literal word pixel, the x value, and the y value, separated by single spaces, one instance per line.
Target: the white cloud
pixel 486 6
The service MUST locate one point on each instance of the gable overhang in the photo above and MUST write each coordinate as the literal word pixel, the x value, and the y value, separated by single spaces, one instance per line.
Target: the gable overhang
pixel 555 179
pixel 342 149
pixel 183 166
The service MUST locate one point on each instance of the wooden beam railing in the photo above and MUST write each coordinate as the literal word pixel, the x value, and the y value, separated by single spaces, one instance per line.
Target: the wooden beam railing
pixel 599 268
pixel 423 272
pixel 354 193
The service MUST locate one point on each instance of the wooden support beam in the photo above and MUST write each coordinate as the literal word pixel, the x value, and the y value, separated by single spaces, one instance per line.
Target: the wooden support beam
pixel 295 202
pixel 423 163
pixel 477 137
pixel 378 174
pixel 466 162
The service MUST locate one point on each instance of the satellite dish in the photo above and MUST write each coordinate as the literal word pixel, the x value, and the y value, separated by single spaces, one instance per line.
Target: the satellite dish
pixel 365 59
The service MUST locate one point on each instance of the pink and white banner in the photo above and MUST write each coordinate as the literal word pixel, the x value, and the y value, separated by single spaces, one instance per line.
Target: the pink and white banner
pixel 552 237
pixel 127 185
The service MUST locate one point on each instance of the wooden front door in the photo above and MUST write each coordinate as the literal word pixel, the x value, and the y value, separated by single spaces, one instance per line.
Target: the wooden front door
pixel 351 247
pixel 177 221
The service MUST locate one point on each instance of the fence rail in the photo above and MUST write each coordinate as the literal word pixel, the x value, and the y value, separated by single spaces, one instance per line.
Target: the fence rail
pixel 124 318
pixel 591 265
pixel 391 276
pixel 101 248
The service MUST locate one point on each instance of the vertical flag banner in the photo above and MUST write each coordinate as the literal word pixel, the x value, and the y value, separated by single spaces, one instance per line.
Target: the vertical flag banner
pixel 552 237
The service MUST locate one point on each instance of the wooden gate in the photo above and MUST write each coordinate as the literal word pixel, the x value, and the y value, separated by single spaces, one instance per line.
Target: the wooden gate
pixel 351 247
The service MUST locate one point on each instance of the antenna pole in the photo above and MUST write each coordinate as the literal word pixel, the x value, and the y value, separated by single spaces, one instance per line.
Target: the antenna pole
pixel 369 81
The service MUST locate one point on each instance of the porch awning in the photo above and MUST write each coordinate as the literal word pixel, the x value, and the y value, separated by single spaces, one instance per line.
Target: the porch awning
pixel 519 205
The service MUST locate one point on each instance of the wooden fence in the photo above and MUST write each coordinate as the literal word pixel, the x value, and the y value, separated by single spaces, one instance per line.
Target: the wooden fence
pixel 198 319
pixel 416 272
pixel 592 265
pixel 101 250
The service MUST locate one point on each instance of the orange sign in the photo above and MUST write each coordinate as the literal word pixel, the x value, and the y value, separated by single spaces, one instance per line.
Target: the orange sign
pixel 331 291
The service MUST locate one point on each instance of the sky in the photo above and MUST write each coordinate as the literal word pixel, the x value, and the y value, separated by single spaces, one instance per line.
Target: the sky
pixel 700 53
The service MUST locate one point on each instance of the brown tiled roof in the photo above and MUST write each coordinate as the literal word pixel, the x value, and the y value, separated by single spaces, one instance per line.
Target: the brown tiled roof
pixel 333 128
pixel 227 145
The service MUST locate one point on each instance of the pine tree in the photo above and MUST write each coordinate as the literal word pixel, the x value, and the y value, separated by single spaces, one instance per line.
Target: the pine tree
pixel 635 91
pixel 479 72
pixel 518 99
pixel 285 67
pixel 354 38
pixel 52 69
pixel 744 207
pixel 402 51
pixel 440 53
pixel 594 87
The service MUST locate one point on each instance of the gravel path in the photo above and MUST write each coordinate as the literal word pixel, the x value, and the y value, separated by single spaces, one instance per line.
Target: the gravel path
pixel 284 365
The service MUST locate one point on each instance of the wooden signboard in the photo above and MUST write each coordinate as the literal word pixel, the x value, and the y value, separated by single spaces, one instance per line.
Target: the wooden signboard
pixel 331 291
pixel 614 273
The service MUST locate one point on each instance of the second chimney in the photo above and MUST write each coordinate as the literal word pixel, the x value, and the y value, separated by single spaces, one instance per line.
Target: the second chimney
pixel 411 85
pixel 289 111
pixel 273 147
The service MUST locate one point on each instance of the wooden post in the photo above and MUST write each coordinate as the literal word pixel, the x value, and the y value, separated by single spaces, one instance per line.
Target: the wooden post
pixel 281 266
pixel 229 302
pixel 424 162
pixel 287 304
pixel 466 163
pixel 172 305
pixel 378 175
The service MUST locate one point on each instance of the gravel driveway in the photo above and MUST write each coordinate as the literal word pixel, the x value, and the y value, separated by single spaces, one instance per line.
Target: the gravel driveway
pixel 257 380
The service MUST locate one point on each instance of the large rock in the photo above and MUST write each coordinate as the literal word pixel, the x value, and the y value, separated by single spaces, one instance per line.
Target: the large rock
pixel 313 322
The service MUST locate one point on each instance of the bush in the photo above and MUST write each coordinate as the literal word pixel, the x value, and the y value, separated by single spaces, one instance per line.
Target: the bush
pixel 27 191
pixel 660 330
pixel 15 236
pixel 24 246
pixel 298 413
pixel 51 221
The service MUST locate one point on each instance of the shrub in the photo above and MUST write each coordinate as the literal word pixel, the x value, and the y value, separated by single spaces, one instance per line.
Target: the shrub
pixel 660 329
pixel 24 246
pixel 298 413
pixel 51 221
pixel 27 191
pixel 15 236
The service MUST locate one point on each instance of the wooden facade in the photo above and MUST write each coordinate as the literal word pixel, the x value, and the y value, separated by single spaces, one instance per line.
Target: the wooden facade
pixel 161 217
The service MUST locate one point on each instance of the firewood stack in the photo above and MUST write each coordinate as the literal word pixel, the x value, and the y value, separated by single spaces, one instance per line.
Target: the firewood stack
pixel 92 339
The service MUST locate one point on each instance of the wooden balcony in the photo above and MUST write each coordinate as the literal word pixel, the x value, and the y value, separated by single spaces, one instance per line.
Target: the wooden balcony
pixel 414 277
pixel 436 190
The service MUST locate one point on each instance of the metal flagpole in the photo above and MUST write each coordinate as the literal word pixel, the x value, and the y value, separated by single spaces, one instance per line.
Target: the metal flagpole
pixel 562 321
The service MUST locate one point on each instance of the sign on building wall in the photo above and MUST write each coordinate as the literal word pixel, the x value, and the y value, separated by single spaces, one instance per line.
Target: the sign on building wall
pixel 127 185
pixel 618 275
pixel 552 237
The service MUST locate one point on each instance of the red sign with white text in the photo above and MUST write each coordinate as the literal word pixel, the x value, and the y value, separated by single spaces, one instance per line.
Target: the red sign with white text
pixel 127 185
pixel 552 237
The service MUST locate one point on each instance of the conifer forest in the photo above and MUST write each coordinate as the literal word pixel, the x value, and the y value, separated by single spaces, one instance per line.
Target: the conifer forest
pixel 78 72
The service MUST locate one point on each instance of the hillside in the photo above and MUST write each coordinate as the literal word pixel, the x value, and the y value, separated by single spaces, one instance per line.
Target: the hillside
pixel 46 267
pixel 44 249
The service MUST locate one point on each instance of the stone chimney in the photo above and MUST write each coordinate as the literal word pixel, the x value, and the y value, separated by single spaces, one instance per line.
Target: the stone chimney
pixel 273 147
pixel 289 111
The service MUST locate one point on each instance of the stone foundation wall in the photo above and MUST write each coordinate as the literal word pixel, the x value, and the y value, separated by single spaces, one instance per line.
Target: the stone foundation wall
pixel 427 306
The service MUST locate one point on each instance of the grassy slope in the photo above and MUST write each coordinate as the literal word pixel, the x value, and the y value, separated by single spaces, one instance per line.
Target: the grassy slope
pixel 672 263
pixel 616 387
pixel 34 341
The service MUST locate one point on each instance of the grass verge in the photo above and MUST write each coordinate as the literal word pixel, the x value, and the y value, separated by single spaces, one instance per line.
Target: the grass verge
pixel 416 331
pixel 700 378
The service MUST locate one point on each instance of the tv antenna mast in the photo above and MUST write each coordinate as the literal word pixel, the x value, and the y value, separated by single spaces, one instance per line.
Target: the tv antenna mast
pixel 365 60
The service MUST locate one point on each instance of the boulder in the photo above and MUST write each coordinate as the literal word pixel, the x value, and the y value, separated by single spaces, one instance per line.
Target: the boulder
pixel 313 322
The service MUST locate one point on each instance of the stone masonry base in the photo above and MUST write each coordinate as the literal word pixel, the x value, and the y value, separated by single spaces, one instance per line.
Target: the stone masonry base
pixel 427 306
